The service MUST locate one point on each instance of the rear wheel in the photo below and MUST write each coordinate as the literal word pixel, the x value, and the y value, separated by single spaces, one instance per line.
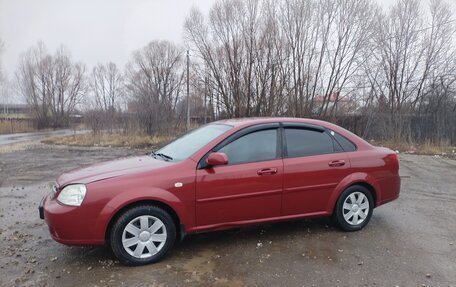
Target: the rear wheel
pixel 354 208
pixel 142 235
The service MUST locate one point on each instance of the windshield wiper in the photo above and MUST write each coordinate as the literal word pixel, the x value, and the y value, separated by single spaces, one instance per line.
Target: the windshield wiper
pixel 162 155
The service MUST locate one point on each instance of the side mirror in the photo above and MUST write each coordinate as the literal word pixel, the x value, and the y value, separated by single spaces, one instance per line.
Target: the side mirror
pixel 217 158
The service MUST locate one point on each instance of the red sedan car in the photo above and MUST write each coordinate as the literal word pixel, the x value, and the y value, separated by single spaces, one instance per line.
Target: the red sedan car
pixel 225 174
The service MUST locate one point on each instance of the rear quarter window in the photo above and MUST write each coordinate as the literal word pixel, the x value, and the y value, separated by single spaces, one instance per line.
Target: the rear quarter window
pixel 346 144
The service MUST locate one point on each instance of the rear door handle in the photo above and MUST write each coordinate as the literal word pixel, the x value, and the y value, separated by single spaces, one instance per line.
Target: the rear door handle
pixel 267 171
pixel 336 163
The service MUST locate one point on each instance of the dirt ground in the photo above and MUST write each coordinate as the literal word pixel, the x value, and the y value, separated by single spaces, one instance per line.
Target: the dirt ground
pixel 409 242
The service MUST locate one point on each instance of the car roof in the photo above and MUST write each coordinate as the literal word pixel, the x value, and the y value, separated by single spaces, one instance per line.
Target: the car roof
pixel 244 122
pixel 239 123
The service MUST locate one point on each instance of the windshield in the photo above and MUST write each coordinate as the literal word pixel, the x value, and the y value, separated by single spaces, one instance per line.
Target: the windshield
pixel 191 142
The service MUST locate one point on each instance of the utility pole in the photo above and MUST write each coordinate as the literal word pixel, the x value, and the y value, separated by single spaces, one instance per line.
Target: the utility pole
pixel 188 91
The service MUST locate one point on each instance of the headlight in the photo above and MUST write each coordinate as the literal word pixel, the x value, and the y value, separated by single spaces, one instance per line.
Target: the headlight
pixel 72 194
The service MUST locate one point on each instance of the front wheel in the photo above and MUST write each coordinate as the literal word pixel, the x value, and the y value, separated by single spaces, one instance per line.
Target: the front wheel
pixel 142 235
pixel 354 208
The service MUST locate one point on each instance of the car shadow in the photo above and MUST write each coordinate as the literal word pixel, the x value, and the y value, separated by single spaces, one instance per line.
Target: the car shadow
pixel 225 240
pixel 280 231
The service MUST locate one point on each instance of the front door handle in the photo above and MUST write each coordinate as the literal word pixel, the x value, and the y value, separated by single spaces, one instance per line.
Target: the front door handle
pixel 267 171
pixel 336 163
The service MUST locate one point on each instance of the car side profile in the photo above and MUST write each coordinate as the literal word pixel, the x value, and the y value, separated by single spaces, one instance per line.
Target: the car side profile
pixel 225 174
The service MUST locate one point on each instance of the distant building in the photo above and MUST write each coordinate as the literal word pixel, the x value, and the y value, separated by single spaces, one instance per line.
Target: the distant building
pixel 133 107
pixel 15 110
pixel 343 103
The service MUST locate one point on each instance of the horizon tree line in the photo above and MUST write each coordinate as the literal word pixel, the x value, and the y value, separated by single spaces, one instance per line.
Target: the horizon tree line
pixel 383 74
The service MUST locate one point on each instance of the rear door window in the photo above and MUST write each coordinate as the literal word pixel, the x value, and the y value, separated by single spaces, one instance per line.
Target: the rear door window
pixel 307 142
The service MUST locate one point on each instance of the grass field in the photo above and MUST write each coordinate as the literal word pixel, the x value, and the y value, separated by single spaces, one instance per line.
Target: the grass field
pixel 138 140
pixel 15 126
pixel 426 148
pixel 112 140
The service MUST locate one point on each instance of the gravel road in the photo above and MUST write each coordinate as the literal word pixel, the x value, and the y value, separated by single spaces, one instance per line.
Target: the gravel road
pixel 409 242
pixel 7 139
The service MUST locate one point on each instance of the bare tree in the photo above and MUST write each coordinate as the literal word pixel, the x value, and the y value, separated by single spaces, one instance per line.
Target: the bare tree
pixel 298 25
pixel 302 57
pixel 408 54
pixel 51 84
pixel 154 82
pixel 240 49
pixel 106 86
pixel 352 26
pixel 264 54
pixel 435 101
pixel 4 86
pixel 1 70
pixel 384 74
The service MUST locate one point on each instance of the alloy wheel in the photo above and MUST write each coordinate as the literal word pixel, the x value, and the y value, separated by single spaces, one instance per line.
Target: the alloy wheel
pixel 144 236
pixel 355 208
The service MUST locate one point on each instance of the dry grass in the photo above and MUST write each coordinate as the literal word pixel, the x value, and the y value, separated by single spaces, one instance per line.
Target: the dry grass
pixel 426 148
pixel 136 140
pixel 112 140
pixel 431 149
pixel 7 127
pixel 9 148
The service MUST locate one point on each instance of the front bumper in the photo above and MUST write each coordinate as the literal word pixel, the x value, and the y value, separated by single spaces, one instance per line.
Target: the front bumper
pixel 68 224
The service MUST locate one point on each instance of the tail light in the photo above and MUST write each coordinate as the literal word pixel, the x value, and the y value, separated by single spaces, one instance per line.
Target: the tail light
pixel 392 160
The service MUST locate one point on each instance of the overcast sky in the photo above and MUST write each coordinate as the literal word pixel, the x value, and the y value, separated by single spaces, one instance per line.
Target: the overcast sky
pixel 93 30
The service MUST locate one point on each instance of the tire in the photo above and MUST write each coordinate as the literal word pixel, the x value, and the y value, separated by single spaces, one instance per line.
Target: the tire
pixel 142 235
pixel 353 216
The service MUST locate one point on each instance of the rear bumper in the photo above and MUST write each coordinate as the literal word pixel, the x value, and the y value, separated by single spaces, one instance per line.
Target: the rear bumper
pixel 390 188
pixel 67 225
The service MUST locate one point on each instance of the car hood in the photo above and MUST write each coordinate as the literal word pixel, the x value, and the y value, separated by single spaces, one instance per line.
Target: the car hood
pixel 110 169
